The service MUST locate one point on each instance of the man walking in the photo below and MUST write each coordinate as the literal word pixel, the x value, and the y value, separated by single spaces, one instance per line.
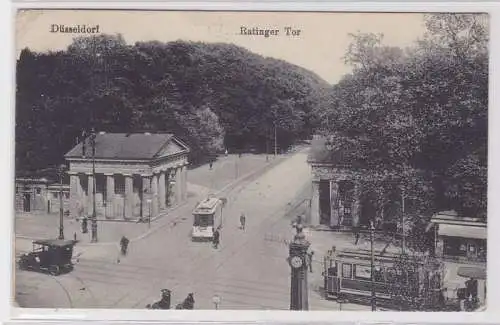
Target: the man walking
pixel 216 238
pixel 242 221
pixel 356 235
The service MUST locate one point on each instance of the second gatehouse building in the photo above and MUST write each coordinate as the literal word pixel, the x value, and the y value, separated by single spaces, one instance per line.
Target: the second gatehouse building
pixel 137 175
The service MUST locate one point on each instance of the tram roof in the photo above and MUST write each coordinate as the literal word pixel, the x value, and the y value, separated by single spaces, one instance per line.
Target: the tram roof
pixel 206 206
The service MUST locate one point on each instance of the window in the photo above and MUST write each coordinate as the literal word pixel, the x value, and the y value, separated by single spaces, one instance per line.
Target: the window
pixel 347 270
pixel 38 190
pixel 55 195
pixel 362 272
pixel 66 195
pixel 119 184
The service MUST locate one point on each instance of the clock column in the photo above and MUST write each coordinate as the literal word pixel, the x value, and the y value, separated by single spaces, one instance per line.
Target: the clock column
pixel 298 263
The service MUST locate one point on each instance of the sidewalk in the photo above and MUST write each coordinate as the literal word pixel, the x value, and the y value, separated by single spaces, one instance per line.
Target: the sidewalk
pixel 220 178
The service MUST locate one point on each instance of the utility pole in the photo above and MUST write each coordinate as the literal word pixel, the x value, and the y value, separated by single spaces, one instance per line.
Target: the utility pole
pixel 275 140
pixel 61 210
pixel 94 213
pixel 403 242
pixel 373 297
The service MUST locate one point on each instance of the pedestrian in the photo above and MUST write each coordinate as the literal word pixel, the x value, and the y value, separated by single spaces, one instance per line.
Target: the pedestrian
pixel 226 152
pixel 210 165
pixel 242 221
pixel 356 235
pixel 216 238
pixel 74 236
pixel 310 260
pixel 124 245
pixel 85 225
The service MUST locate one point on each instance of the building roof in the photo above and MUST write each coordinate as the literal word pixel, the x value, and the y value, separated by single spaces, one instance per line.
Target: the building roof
pixel 452 218
pixel 463 231
pixel 134 146
pixel 321 154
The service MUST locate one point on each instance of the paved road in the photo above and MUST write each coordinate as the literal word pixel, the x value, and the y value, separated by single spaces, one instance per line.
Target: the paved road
pixel 247 271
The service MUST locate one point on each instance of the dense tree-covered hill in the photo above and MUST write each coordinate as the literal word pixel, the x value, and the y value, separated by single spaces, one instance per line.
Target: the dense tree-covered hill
pixel 213 96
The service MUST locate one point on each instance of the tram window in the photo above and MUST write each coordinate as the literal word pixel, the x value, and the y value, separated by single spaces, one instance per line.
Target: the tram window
pixel 362 272
pixel 347 270
pixel 391 275
pixel 378 274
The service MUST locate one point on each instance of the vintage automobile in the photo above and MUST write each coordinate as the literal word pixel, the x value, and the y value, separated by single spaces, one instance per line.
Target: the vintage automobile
pixel 49 255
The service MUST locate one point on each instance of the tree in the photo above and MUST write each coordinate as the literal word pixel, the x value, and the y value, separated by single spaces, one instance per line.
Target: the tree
pixel 415 120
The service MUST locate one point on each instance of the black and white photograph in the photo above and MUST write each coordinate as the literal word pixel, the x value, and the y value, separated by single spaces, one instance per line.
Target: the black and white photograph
pixel 204 160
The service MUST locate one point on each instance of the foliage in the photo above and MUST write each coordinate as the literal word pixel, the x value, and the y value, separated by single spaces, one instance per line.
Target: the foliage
pixel 211 95
pixel 414 121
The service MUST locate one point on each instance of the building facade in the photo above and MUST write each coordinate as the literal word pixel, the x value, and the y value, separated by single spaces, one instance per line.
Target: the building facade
pixel 136 175
pixel 336 191
pixel 39 195
pixel 459 238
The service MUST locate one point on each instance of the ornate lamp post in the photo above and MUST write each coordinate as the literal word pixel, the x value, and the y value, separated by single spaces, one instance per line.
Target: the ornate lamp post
pixel 94 213
pixel 61 210
pixel 299 299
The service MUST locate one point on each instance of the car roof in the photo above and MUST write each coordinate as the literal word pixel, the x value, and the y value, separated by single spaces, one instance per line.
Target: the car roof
pixel 55 242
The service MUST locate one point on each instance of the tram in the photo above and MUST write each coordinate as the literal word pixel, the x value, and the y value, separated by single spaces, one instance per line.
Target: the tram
pixel 207 216
pixel 419 283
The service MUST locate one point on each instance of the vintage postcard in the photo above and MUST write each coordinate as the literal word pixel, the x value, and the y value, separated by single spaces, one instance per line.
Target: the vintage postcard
pixel 320 161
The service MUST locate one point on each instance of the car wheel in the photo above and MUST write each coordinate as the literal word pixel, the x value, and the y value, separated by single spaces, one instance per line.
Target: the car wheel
pixel 54 270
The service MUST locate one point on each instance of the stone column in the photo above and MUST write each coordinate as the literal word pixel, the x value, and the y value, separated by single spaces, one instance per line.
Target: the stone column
pixel 315 203
pixel 129 195
pixel 154 195
pixel 356 204
pixel 161 190
pixel 178 185
pixel 334 203
pixel 74 195
pixel 110 195
pixel 184 183
pixel 146 196
pixel 90 196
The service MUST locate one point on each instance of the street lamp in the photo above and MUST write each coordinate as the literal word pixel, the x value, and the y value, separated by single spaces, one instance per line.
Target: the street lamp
pixel 94 213
pixel 61 210
pixel 216 300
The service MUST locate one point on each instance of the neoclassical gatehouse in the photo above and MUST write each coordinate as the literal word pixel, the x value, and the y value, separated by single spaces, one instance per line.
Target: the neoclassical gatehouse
pixel 136 175
pixel 336 196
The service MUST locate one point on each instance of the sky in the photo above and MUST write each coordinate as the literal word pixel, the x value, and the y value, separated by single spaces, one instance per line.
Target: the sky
pixel 319 47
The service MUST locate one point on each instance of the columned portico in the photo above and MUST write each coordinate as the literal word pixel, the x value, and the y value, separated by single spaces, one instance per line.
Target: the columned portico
pixel 129 195
pixel 154 197
pixel 132 175
pixel 110 194
pixel 161 190
pixel 178 185
pixel 90 198
pixel 315 203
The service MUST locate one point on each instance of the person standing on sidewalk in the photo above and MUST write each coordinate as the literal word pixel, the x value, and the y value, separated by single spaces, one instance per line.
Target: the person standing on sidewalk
pixel 242 221
pixel 310 260
pixel 356 235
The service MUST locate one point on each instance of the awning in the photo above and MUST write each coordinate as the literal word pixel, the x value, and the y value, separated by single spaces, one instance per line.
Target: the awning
pixel 472 272
pixel 462 231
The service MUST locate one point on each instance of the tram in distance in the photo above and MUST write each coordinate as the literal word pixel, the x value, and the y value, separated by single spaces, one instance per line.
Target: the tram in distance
pixel 347 276
pixel 207 217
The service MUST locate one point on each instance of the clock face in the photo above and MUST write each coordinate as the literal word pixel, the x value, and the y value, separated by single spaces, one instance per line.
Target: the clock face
pixel 296 261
